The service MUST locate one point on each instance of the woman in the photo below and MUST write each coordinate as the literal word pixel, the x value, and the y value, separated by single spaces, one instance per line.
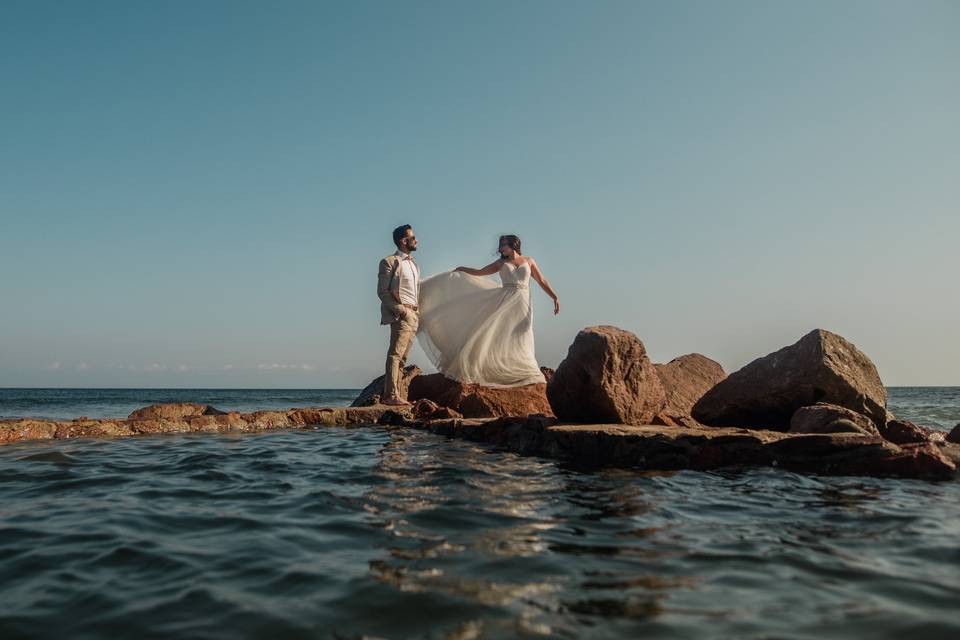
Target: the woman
pixel 477 331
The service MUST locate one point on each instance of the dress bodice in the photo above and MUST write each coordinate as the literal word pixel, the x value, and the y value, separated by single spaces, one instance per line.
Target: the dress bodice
pixel 515 276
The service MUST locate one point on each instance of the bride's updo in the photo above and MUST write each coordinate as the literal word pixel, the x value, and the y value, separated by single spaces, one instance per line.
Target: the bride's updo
pixel 511 241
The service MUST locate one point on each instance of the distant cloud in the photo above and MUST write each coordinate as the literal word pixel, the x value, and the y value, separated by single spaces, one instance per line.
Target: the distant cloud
pixel 83 366
pixel 152 367
pixel 54 366
pixel 272 366
pixel 227 367
pixel 183 367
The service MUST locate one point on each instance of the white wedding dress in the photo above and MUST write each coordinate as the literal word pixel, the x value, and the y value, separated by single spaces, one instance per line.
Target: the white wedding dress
pixel 477 331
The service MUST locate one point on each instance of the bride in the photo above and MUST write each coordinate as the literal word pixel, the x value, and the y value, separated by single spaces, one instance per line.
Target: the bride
pixel 477 331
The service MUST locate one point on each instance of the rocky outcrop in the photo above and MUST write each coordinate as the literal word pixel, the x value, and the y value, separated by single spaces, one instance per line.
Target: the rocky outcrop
pixel 174 411
pixel 640 447
pixel 476 401
pixel 685 380
pixel 703 448
pixel 830 418
pixel 606 378
pixel 904 432
pixel 174 418
pixel 820 367
pixel 373 393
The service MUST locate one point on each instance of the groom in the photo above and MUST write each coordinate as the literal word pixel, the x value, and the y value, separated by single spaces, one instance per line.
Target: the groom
pixel 398 286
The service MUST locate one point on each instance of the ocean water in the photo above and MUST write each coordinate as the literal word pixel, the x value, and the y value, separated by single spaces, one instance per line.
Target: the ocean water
pixel 393 533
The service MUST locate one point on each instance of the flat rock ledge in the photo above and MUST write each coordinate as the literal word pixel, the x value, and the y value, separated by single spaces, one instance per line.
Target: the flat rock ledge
pixel 33 429
pixel 647 447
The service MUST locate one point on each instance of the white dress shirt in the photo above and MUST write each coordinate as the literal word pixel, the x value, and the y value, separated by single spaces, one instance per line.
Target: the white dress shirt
pixel 409 274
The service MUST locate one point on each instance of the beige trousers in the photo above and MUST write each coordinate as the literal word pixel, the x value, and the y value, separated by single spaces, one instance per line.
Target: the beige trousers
pixel 402 333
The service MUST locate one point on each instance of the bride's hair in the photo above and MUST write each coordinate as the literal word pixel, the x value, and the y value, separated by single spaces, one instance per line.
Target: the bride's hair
pixel 511 241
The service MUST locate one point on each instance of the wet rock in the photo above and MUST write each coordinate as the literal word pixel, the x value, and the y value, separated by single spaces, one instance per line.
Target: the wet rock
pixel 654 448
pixel 315 416
pixel 951 452
pixel 606 378
pixel 686 379
pixel 476 401
pixel 174 411
pixel 392 418
pixel 820 367
pixel 373 393
pixel 954 435
pixel 905 432
pixel 87 428
pixel 641 447
pixel 830 418
pixel 15 430
pixel 918 460
pixel 425 409
pixel 27 429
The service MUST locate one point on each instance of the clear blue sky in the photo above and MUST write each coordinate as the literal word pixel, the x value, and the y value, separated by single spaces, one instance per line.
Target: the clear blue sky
pixel 197 193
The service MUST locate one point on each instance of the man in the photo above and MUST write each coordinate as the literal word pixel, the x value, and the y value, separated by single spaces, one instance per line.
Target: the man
pixel 398 286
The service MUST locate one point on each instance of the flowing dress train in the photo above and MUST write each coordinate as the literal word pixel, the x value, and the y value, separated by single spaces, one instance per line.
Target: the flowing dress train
pixel 475 330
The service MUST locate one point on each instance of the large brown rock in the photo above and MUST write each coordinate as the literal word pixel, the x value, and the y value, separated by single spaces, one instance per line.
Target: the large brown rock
pixel 830 418
pixel 373 392
pixel 820 367
pixel 476 401
pixel 606 378
pixel 174 411
pixel 686 379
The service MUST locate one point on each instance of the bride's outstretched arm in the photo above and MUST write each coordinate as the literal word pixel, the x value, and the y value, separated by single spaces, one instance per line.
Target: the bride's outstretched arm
pixel 542 281
pixel 488 270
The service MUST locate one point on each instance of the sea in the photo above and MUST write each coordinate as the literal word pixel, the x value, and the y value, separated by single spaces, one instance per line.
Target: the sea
pixel 393 533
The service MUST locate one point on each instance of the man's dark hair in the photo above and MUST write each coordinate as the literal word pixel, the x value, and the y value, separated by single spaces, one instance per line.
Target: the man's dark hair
pixel 399 233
